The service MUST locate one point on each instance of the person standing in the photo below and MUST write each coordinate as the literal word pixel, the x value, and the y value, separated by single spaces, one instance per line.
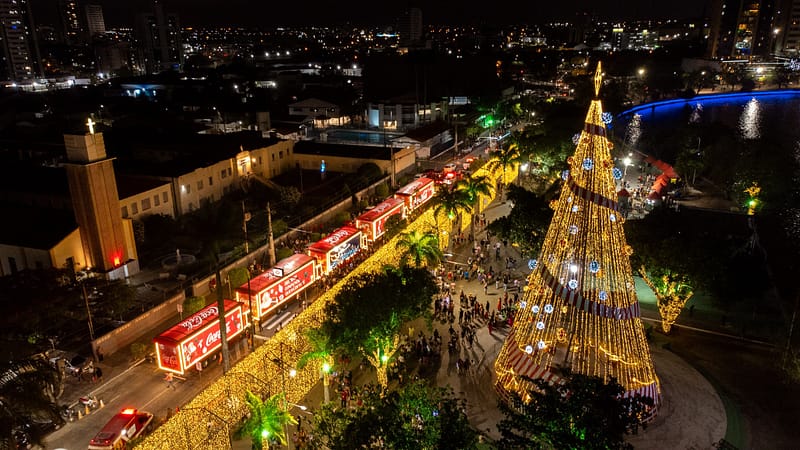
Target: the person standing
pixel 169 378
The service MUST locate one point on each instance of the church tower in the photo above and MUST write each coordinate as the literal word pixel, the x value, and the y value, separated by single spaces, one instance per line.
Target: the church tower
pixel 107 239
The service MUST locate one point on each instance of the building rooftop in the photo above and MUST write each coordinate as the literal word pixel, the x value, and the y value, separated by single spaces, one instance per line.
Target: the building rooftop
pixel 37 228
pixel 347 151
pixel 427 132
pixel 129 185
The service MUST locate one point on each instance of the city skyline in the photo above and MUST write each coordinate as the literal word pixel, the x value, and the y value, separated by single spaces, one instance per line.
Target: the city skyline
pixel 249 13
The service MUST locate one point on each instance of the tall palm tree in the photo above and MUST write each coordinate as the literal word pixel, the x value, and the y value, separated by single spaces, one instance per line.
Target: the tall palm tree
pixel 451 203
pixel 503 159
pixel 210 225
pixel 321 351
pixel 473 187
pixel 267 419
pixel 422 248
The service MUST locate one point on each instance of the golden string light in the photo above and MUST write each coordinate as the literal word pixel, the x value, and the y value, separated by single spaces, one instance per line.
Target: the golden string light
pixel 206 421
pixel 672 296
pixel 580 309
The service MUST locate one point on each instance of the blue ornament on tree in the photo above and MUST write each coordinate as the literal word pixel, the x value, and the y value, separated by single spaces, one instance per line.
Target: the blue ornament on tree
pixel 594 267
pixel 603 296
pixel 617 173
pixel 532 263
pixel 540 325
pixel 588 164
pixel 573 284
pixel 576 138
pixel 573 229
pixel 565 175
pixel 529 349
pixel 607 117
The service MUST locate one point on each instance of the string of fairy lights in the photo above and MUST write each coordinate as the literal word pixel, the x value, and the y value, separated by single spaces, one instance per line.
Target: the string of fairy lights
pixel 207 420
pixel 580 308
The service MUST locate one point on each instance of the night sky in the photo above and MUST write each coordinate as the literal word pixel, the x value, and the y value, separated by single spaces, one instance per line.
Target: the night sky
pixel 378 12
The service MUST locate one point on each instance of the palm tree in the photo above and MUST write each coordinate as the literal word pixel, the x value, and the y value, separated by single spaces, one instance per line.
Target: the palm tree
pixel 210 225
pixel 473 187
pixel 27 388
pixel 422 248
pixel 503 159
pixel 451 203
pixel 320 350
pixel 267 419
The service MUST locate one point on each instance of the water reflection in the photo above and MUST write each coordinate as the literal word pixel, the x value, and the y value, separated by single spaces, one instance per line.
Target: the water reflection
pixel 750 120
pixel 696 114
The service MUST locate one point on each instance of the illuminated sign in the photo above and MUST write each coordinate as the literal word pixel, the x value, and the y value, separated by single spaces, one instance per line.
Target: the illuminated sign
pixel 344 251
pixel 279 284
pixel 375 219
pixel 194 339
pixel 286 287
pixel 337 247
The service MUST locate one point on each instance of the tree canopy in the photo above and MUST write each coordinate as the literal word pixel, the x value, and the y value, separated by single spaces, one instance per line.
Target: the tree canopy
pixel 528 221
pixel 417 416
pixel 582 413
pixel 386 299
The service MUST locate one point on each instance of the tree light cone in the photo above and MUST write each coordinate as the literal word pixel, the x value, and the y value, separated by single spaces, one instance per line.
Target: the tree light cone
pixel 580 309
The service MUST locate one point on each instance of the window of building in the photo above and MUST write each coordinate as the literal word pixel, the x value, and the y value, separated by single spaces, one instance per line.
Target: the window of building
pixel 259 160
pixel 273 156
pixel 223 174
pixel 124 212
pixel 199 184
pixel 210 181
pixel 280 154
pixel 156 200
pixel 165 197
pixel 229 171
pixel 145 204
pixel 134 208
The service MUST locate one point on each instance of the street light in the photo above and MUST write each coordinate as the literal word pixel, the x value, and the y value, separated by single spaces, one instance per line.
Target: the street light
pixel 627 161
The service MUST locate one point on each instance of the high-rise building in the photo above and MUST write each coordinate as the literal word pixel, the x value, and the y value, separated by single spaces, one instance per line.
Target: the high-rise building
pixel 580 310
pixel 787 30
pixel 71 29
pixel 20 58
pixel 744 29
pixel 409 28
pixel 158 36
pixel 95 24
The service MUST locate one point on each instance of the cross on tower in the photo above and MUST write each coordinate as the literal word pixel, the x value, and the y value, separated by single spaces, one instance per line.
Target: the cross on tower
pixel 598 80
pixel 91 123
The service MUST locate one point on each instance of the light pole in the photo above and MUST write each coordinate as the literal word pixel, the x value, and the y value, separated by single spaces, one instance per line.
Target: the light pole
pixel 627 161
pixel 292 374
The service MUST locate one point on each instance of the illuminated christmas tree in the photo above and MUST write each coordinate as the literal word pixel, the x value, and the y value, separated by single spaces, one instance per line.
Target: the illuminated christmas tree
pixel 580 309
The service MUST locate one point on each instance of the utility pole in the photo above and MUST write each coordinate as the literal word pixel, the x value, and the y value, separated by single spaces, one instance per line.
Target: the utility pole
pixel 271 249
pixel 245 218
pixel 88 311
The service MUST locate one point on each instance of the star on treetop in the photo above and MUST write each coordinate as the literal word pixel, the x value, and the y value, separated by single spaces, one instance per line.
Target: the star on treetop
pixel 598 79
